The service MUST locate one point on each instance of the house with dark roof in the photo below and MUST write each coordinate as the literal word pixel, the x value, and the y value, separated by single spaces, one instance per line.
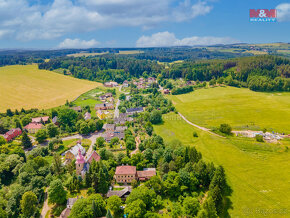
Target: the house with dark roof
pixel 131 111
pixel 12 133
pixel 123 194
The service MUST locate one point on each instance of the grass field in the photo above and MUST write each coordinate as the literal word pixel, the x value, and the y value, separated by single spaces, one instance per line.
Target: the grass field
pixel 239 107
pixel 258 173
pixel 130 52
pixel 28 87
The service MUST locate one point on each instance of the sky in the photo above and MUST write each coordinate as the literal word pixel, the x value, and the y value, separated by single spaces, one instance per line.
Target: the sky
pixel 57 24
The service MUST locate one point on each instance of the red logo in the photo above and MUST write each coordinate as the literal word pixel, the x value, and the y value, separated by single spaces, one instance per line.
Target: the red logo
pixel 263 13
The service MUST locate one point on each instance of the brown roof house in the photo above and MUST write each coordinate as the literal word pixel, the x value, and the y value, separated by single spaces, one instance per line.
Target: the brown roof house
pixel 40 119
pixel 125 174
pixel 146 174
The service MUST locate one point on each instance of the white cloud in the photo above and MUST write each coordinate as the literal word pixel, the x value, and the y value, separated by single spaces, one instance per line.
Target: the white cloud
pixel 164 39
pixel 78 43
pixel 283 12
pixel 26 21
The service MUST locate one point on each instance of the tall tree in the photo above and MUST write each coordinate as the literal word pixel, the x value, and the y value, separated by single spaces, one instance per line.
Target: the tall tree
pixel 25 140
pixel 28 204
pixel 56 192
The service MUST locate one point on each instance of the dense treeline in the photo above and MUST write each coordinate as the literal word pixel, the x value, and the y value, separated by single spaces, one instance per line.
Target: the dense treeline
pixel 104 68
pixel 182 90
pixel 259 73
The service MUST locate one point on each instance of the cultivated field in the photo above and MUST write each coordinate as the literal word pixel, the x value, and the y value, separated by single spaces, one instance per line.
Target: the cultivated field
pixel 239 107
pixel 258 173
pixel 28 87
pixel 85 54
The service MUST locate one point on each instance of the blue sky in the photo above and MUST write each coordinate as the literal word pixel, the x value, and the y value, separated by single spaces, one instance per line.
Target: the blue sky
pixel 137 23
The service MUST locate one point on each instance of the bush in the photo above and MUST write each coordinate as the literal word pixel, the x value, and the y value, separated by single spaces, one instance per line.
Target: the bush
pixel 225 128
pixel 195 134
pixel 259 138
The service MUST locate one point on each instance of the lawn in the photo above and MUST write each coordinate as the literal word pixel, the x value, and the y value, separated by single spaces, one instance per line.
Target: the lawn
pixel 239 107
pixel 258 173
pixel 28 87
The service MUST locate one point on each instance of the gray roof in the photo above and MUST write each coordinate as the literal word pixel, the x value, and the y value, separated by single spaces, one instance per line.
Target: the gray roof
pixel 121 128
pixel 109 126
pixel 137 109
pixel 75 150
pixel 122 193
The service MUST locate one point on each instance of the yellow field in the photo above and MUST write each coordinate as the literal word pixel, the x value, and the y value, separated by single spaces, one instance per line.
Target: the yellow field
pixel 28 87
pixel 130 52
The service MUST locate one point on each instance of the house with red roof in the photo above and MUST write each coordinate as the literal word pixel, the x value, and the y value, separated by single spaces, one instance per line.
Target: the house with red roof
pixel 146 174
pixel 33 127
pixel 40 119
pixel 125 174
pixel 11 134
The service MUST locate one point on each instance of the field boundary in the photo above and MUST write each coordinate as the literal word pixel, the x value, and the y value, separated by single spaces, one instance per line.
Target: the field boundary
pixel 199 127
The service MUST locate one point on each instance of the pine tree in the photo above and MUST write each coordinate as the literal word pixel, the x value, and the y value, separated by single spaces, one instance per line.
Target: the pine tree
pixel 26 142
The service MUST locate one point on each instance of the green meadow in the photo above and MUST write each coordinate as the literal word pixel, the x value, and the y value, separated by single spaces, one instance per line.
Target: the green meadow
pixel 239 107
pixel 258 173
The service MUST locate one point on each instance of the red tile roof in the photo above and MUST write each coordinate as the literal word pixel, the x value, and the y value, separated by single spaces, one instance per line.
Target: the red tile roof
pixel 38 119
pixel 33 126
pixel 94 156
pixel 125 170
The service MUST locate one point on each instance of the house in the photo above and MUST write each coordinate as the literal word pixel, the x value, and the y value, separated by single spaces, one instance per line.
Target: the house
pixel 120 129
pixel 131 111
pixel 87 116
pixel 40 119
pixel 77 109
pixel 125 174
pixel 123 194
pixel 104 106
pixel 83 165
pixel 125 84
pixel 146 174
pixel 66 212
pixel 151 80
pixel 71 154
pixel 108 95
pixel 33 127
pixel 110 84
pixel 101 115
pixel 55 120
pixel 109 135
pixel 109 127
pixel 12 133
pixel 123 118
pixel 166 91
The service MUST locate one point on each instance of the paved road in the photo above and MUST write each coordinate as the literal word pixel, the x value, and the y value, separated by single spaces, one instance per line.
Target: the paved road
pixel 199 127
pixel 116 114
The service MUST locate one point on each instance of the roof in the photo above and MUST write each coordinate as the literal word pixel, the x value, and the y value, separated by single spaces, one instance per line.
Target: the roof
pixel 147 173
pixel 71 201
pixel 109 126
pixel 54 120
pixel 34 126
pixel 11 131
pixel 38 119
pixel 100 105
pixel 127 190
pixel 93 156
pixel 75 150
pixel 120 128
pixel 65 213
pixel 80 158
pixel 87 115
pixel 121 170
pixel 78 108
pixel 137 109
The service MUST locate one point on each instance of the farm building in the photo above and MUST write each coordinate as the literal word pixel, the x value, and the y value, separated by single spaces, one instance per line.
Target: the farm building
pixel 11 134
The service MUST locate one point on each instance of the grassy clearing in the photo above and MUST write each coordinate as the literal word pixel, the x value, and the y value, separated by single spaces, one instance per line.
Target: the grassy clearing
pixel 258 173
pixel 239 107
pixel 28 87
pixel 254 52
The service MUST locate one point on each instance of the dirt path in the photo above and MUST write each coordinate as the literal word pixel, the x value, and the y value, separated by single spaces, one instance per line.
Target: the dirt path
pixel 45 207
pixel 199 127
pixel 138 141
